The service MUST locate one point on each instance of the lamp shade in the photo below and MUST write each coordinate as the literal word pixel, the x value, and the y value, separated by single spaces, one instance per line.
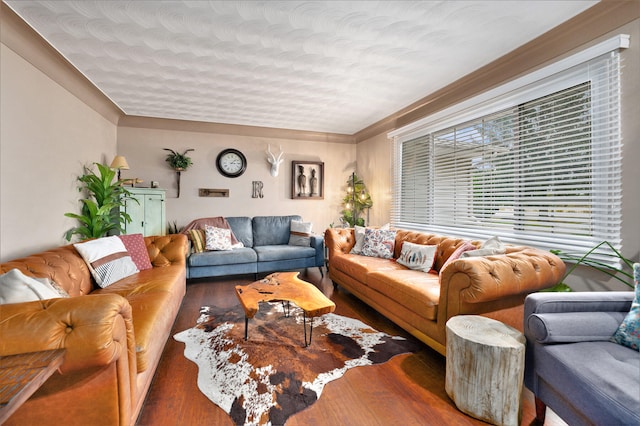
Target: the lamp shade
pixel 120 163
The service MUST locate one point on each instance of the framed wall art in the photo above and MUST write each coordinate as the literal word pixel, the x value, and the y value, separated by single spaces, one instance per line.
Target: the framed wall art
pixel 307 180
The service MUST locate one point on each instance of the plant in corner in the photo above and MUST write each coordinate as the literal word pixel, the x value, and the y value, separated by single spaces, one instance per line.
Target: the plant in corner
pixel 101 211
pixel 623 273
pixel 356 200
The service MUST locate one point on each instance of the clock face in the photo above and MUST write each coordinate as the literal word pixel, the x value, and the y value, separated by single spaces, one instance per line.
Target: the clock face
pixel 231 163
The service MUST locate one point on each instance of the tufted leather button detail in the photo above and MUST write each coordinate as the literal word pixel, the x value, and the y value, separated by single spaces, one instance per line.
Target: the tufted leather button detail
pixel 69 329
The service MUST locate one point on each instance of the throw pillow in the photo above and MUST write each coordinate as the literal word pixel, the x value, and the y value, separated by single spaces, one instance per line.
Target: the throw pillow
pixel 359 234
pixel 378 243
pixel 462 248
pixel 16 287
pixel 198 240
pixel 300 234
pixel 417 256
pixel 217 238
pixel 134 243
pixel 492 246
pixel 628 333
pixel 107 259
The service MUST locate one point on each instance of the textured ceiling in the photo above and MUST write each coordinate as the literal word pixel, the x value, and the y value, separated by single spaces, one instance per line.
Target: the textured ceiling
pixel 328 66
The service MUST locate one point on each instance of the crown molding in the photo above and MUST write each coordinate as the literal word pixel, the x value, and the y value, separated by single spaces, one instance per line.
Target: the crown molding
pixel 28 44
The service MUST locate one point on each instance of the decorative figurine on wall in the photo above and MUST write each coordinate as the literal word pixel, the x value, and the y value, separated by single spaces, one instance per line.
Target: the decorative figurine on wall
pixel 307 180
pixel 275 161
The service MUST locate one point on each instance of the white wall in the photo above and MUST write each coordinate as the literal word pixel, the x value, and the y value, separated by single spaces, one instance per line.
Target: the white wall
pixel 46 136
pixel 143 149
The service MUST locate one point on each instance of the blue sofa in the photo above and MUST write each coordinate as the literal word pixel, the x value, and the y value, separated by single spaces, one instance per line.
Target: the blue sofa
pixel 572 367
pixel 266 249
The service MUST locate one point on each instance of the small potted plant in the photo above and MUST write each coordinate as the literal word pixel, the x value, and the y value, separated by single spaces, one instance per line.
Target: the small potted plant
pixel 178 162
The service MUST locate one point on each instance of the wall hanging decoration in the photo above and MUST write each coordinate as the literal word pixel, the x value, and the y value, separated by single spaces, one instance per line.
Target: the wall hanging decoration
pixel 178 162
pixel 274 160
pixel 257 189
pixel 356 201
pixel 231 163
pixel 307 180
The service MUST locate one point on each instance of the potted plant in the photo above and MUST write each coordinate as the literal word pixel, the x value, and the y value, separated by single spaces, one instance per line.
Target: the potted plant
pixel 101 212
pixel 623 273
pixel 356 200
pixel 178 162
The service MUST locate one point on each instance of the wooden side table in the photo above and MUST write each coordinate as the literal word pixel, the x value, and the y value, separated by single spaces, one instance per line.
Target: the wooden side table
pixel 485 368
pixel 22 374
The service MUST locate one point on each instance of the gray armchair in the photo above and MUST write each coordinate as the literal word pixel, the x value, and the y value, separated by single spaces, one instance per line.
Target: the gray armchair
pixel 572 367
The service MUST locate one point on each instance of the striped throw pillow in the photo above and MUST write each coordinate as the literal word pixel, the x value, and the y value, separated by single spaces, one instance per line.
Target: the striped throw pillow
pixel 198 240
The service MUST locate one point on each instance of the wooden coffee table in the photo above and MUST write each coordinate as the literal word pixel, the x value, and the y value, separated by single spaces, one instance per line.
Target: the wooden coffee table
pixel 284 287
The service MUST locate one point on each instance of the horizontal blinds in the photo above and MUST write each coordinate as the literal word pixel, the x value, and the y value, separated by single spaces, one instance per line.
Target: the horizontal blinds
pixel 544 173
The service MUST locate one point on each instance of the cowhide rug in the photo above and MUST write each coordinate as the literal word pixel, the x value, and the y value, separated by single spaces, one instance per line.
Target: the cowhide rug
pixel 272 376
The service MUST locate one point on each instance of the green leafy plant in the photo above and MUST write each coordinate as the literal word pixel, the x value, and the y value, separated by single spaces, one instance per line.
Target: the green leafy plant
pixel 355 201
pixel 101 212
pixel 178 161
pixel 172 227
pixel 624 273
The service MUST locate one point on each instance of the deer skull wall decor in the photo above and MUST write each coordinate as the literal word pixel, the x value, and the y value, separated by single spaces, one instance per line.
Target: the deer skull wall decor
pixel 274 161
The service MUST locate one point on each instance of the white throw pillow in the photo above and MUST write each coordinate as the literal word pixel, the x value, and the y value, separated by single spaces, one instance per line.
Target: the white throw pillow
pixel 300 233
pixel 490 247
pixel 417 256
pixel 359 234
pixel 16 287
pixel 379 243
pixel 107 259
pixel 217 238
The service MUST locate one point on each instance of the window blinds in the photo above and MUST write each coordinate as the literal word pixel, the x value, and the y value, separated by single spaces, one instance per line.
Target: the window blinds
pixel 541 170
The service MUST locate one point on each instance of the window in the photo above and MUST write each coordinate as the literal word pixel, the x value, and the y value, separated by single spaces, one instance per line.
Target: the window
pixel 538 165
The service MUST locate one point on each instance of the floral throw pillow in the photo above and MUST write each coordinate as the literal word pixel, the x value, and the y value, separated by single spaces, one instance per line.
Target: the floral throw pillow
pixel 217 238
pixel 378 243
pixel 628 333
pixel 417 256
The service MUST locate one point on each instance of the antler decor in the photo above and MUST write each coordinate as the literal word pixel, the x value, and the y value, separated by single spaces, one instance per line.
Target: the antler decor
pixel 274 161
pixel 178 162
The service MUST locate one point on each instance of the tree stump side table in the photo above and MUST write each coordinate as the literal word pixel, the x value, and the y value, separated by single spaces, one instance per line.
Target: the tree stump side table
pixel 485 368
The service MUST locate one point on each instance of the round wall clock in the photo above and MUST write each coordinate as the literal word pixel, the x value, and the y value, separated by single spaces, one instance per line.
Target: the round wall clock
pixel 231 163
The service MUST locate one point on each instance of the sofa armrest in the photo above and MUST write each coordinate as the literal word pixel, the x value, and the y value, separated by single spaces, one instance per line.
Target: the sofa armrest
pixel 339 241
pixel 167 250
pixel 521 271
pixel 588 301
pixel 571 327
pixel 317 242
pixel 96 330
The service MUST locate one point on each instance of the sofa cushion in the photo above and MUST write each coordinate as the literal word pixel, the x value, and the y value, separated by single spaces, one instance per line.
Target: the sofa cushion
pixel 464 247
pixel 217 238
pixel 226 257
pixel 134 243
pixel 603 376
pixel 358 233
pixel 359 266
pixel 283 252
pixel 417 256
pixel 379 243
pixel 242 228
pixel 272 230
pixel 300 233
pixel 417 291
pixel 107 259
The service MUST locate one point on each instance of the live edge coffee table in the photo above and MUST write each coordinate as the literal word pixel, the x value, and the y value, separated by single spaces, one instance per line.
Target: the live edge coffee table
pixel 284 287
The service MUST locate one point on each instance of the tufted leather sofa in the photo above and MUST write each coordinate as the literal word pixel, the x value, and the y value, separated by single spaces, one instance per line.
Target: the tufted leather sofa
pixel 113 337
pixel 421 303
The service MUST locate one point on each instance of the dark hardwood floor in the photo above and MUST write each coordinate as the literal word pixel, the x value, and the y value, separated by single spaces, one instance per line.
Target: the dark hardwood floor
pixel 407 390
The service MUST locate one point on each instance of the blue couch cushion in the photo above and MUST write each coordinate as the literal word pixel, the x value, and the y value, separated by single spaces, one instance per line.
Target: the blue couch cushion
pixel 241 227
pixel 283 252
pixel 569 327
pixel 272 230
pixel 224 257
pixel 603 376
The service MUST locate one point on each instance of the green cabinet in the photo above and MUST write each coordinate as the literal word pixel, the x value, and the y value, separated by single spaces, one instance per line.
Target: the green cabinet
pixel 148 214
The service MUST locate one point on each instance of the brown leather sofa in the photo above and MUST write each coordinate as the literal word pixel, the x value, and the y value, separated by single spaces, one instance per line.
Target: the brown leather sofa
pixel 421 303
pixel 113 337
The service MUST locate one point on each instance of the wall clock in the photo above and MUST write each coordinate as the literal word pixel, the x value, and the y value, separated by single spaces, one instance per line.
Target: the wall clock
pixel 231 163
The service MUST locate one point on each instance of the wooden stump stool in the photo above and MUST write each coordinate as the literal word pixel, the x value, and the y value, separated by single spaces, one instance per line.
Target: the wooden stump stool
pixel 485 368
